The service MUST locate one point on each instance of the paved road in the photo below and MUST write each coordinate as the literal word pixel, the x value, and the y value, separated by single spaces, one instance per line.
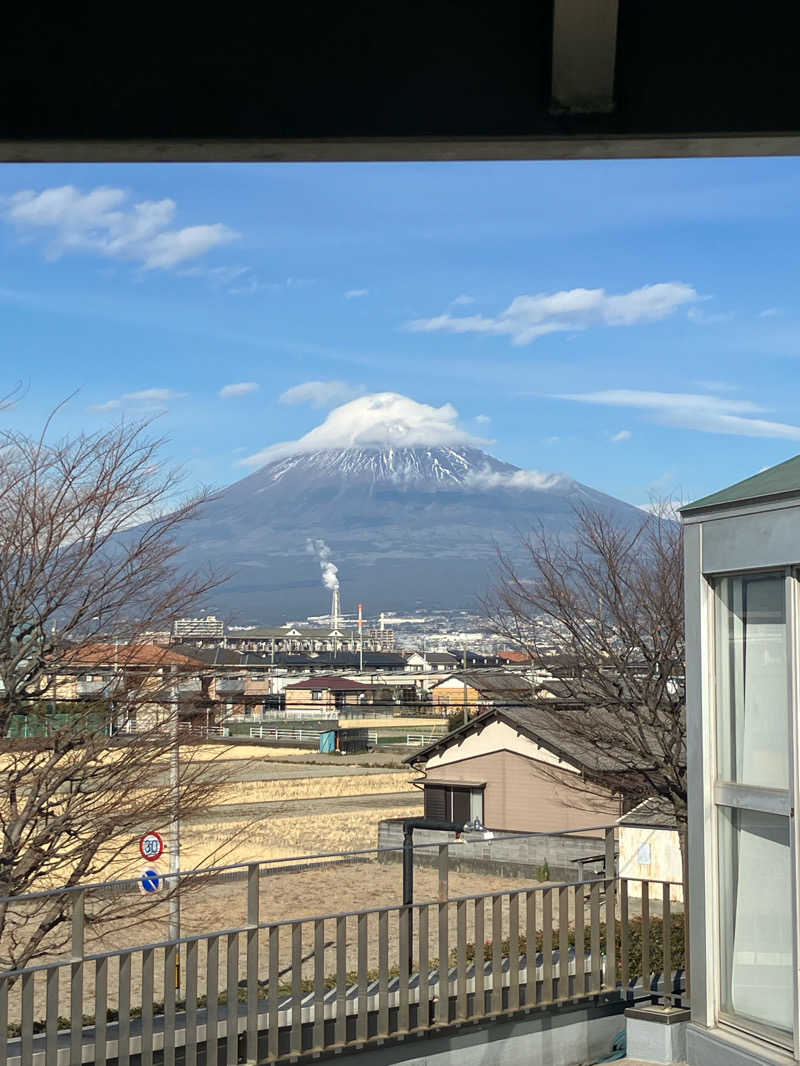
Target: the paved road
pixel 298 808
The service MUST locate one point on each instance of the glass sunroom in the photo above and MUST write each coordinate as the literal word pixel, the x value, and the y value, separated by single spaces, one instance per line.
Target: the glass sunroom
pixel 742 550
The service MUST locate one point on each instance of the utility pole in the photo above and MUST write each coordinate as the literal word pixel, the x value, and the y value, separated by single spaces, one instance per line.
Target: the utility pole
pixel 466 704
pixel 360 639
pixel 175 835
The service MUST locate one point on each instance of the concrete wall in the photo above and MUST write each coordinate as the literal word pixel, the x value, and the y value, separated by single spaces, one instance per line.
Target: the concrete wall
pixel 552 1038
pixel 516 857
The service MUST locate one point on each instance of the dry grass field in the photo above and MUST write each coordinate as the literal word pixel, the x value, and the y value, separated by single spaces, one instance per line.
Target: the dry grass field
pixel 277 838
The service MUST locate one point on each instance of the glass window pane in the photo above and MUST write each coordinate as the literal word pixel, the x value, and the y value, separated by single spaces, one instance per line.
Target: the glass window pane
pixel 752 688
pixel 756 917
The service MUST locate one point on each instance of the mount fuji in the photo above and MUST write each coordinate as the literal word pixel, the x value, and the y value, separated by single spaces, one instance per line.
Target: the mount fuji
pixel 409 528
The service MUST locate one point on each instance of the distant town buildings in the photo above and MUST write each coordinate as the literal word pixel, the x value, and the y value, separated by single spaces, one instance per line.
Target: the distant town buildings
pixel 210 628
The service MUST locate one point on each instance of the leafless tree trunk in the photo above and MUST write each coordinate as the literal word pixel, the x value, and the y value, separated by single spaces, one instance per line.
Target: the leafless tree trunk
pixel 88 565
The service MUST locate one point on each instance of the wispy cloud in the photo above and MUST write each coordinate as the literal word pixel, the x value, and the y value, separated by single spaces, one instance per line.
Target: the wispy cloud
pixel 521 480
pixel 708 318
pixel 624 434
pixel 106 222
pixel 483 420
pixel 109 405
pixel 718 386
pixel 529 317
pixel 769 312
pixel 705 413
pixel 462 300
pixel 322 394
pixel 354 294
pixel 154 395
pixel 239 388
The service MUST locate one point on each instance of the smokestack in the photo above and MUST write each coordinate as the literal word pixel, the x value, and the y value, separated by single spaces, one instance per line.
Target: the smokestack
pixel 336 608
pixel 382 625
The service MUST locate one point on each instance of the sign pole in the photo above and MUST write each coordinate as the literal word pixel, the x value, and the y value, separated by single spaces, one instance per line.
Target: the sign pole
pixel 175 835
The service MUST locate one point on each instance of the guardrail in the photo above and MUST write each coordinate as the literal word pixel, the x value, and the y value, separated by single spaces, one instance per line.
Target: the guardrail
pixel 263 732
pixel 272 991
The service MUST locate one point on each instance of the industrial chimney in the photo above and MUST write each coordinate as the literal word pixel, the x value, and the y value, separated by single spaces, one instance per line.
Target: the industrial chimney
pixel 336 608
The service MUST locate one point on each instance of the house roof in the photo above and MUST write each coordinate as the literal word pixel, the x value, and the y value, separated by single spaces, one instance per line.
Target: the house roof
pixel 437 658
pixel 653 813
pixel 535 721
pixel 512 656
pixel 776 482
pixel 334 684
pixel 223 656
pixel 493 684
pixel 127 655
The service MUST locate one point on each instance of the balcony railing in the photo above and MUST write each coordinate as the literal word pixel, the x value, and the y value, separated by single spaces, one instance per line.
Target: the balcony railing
pixel 230 686
pixel 96 689
pixel 272 991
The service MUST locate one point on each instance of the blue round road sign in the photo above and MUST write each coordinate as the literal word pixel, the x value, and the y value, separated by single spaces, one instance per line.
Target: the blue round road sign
pixel 150 881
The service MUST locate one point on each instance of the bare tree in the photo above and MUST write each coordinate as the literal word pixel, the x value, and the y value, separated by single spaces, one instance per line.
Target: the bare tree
pixel 608 600
pixel 89 562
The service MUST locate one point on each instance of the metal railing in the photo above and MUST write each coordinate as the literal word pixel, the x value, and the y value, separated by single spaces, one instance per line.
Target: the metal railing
pixel 269 992
pixel 407 740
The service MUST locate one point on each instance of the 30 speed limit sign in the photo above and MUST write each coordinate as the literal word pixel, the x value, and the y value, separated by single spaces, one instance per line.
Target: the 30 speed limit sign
pixel 151 846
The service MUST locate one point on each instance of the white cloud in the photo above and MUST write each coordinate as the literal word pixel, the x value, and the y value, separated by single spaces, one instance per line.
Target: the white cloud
pixel 624 434
pixel 154 395
pixel 462 300
pixel 523 480
pixel 718 386
pixel 375 421
pixel 354 294
pixel 708 414
pixel 552 440
pixel 529 317
pixel 708 318
pixel 483 420
pixel 240 388
pixel 109 405
pixel 321 393
pixel 105 222
pixel 769 312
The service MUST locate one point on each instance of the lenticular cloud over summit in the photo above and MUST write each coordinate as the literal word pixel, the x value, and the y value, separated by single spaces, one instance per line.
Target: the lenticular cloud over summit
pixel 382 419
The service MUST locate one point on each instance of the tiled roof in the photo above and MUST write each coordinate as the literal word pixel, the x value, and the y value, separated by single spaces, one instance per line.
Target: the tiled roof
pixel 128 655
pixel 335 684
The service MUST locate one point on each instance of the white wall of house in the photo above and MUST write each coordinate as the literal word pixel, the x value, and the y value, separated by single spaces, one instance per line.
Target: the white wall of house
pixel 652 854
pixel 495 736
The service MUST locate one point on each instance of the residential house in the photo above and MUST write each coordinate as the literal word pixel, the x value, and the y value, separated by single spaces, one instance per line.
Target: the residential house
pixel 326 694
pixel 649 847
pixel 431 662
pixel 140 683
pixel 507 767
pixel 479 689
pixel 240 682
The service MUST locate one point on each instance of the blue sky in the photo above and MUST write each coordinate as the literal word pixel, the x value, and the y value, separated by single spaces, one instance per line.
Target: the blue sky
pixel 633 324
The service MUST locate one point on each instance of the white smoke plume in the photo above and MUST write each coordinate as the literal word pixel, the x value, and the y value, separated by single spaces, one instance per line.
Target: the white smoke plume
pixel 329 570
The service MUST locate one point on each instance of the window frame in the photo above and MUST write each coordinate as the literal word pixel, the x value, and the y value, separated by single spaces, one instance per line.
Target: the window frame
pixel 782 802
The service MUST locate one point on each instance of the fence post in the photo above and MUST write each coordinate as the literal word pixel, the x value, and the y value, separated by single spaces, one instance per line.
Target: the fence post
pixel 76 982
pixel 611 907
pixel 444 873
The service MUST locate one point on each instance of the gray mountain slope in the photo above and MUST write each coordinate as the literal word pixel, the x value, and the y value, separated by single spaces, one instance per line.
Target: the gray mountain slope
pixel 409 528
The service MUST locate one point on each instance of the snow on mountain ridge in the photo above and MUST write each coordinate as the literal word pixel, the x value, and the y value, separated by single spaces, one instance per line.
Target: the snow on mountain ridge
pixel 437 463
